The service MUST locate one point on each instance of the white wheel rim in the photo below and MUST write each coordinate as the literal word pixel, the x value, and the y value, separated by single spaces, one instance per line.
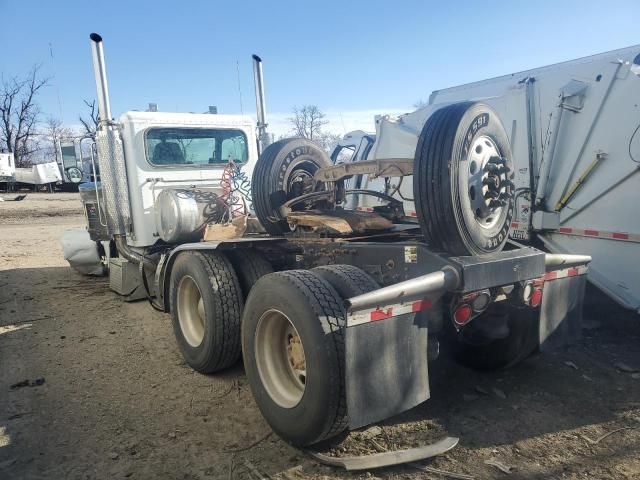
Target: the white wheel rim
pixel 481 153
pixel 190 308
pixel 280 358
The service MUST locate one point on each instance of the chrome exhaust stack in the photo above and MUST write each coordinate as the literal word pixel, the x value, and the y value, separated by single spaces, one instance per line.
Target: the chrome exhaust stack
pixel 113 173
pixel 100 74
pixel 258 80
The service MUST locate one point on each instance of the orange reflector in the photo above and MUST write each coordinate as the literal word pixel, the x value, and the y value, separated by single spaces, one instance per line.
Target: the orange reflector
pixel 536 298
pixel 462 314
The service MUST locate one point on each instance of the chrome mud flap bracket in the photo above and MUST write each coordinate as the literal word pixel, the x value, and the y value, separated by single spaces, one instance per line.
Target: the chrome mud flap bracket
pixel 562 302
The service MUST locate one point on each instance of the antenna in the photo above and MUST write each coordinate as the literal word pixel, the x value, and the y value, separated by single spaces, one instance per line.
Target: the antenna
pixel 342 122
pixel 239 88
pixel 55 73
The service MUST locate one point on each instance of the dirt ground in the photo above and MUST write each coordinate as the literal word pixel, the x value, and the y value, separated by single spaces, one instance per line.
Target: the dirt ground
pixel 107 394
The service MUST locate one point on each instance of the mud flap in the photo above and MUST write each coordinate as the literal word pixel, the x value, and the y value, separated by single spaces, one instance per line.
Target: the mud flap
pixel 386 368
pixel 561 310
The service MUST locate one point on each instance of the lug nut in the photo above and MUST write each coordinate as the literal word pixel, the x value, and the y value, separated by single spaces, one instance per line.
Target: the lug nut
pixel 491 195
pixel 490 182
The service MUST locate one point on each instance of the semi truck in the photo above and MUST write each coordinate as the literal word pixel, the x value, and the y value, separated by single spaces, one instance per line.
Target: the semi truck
pixel 74 167
pixel 257 252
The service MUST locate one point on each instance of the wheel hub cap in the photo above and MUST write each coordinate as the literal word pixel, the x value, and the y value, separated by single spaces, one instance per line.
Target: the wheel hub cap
pixel 280 359
pixel 489 186
pixel 190 311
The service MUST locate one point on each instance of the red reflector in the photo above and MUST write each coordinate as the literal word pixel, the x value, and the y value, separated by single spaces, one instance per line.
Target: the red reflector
pixel 421 305
pixel 462 314
pixel 378 315
pixel 536 298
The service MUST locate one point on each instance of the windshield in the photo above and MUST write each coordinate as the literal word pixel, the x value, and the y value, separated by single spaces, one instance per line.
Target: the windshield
pixel 195 146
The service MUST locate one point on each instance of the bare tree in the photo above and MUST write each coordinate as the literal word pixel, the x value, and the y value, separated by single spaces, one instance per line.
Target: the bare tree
pixel 328 140
pixel 420 104
pixel 19 115
pixel 90 124
pixel 307 122
pixel 56 132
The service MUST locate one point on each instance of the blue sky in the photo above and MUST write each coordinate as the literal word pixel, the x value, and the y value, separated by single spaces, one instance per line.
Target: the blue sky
pixel 352 59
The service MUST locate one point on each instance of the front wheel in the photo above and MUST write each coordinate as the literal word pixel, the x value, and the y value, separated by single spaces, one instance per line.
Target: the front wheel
pixel 293 349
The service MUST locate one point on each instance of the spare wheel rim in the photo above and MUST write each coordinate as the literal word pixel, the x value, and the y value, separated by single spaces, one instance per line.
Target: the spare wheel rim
pixel 485 187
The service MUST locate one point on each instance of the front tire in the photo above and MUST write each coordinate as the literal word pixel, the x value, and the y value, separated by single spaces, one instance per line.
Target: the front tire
pixel 293 348
pixel 206 305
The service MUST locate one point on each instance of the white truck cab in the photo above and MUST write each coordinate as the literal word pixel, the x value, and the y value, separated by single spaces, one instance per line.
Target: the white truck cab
pixel 179 150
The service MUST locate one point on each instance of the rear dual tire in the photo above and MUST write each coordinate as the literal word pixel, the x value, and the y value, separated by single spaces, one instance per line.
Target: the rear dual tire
pixel 207 293
pixel 206 305
pixel 520 342
pixel 293 332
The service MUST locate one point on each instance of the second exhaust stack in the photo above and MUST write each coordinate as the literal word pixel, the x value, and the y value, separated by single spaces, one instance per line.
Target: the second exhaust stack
pixel 263 136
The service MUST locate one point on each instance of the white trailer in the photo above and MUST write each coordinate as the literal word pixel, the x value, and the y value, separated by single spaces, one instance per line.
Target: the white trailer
pixel 574 129
pixel 39 174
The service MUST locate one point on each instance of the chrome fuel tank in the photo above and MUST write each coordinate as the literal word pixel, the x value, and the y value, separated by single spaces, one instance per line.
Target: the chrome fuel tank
pixel 182 214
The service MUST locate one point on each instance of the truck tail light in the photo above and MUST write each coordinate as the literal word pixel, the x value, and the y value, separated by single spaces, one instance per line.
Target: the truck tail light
pixel 462 314
pixel 481 301
pixel 536 297
pixel 469 306
pixel 532 292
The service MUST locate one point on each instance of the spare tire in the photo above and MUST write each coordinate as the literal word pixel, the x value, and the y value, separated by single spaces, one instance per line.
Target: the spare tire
pixel 278 176
pixel 462 182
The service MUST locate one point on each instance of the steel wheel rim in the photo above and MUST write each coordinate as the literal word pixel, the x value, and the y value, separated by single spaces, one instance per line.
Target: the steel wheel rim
pixel 190 311
pixel 280 359
pixel 299 173
pixel 481 182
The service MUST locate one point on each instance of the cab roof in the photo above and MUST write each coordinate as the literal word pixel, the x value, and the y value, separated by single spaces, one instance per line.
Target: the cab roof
pixel 193 119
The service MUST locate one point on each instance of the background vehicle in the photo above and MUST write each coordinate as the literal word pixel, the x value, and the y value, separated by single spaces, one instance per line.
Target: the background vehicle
pixel 7 167
pixel 38 175
pixel 573 129
pixel 74 167
pixel 336 312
